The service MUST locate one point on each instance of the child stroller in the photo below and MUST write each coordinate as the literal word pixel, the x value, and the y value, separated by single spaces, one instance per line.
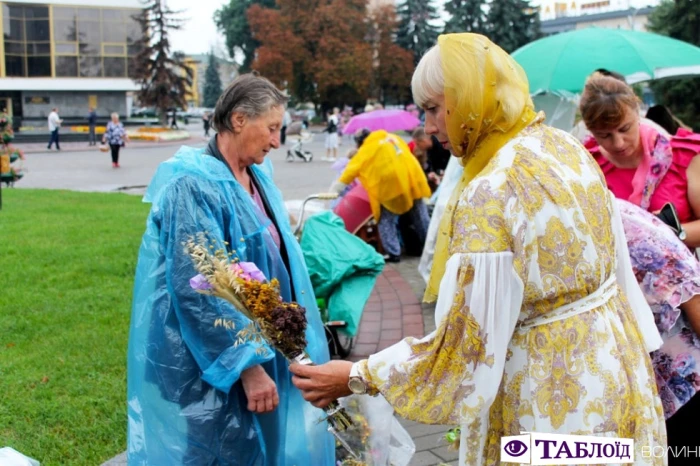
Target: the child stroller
pixel 297 133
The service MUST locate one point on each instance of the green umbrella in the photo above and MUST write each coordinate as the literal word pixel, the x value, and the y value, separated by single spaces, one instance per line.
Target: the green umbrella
pixel 562 62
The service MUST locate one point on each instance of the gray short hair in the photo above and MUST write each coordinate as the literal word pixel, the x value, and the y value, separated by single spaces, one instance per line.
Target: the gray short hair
pixel 249 94
pixel 419 133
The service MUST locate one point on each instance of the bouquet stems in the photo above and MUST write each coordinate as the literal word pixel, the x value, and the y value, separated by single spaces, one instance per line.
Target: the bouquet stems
pixel 336 416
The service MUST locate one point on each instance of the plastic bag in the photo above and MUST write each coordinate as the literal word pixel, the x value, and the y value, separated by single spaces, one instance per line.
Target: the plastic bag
pixel 376 435
pixel 11 457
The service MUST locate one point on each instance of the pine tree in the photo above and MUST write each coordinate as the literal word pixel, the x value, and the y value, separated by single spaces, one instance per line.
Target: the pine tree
pixel 416 33
pixel 466 16
pixel 680 20
pixel 163 76
pixel 513 23
pixel 212 82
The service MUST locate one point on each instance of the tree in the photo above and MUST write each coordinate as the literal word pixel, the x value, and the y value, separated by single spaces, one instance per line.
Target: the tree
pixel 416 33
pixel 680 20
pixel 513 23
pixel 393 65
pixel 315 48
pixel 212 82
pixel 232 21
pixel 465 16
pixel 163 76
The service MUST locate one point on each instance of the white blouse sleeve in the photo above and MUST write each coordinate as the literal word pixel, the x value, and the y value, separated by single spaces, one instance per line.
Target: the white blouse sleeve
pixel 628 283
pixel 452 375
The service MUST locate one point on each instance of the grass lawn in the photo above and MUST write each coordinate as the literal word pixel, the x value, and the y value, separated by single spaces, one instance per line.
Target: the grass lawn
pixel 67 265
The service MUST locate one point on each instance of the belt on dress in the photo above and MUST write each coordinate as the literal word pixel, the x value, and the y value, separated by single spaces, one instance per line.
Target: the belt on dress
pixel 596 299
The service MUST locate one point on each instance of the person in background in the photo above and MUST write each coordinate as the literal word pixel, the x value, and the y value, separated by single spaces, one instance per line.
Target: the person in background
pixel 286 121
pixel 669 276
pixel 395 185
pixel 92 124
pixel 173 119
pixel 641 164
pixel 54 125
pixel 662 116
pixel 115 135
pixel 206 121
pixel 436 156
pixel 332 137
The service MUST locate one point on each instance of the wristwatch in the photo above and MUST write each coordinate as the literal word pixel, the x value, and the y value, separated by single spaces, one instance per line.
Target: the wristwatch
pixel 356 384
pixel 682 235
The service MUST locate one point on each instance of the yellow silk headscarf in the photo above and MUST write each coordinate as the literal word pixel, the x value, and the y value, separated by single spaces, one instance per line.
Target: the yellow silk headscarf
pixel 487 101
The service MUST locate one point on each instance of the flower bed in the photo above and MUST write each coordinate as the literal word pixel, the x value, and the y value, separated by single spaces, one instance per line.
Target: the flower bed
pixel 85 129
pixel 157 134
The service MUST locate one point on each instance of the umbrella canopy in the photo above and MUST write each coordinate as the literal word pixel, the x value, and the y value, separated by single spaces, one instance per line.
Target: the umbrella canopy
pixel 388 120
pixel 562 62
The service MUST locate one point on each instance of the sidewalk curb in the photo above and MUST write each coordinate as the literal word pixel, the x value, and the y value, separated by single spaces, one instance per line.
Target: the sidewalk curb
pixel 133 145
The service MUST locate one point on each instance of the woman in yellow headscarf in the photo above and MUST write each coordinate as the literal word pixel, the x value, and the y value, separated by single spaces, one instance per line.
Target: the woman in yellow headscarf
pixel 541 326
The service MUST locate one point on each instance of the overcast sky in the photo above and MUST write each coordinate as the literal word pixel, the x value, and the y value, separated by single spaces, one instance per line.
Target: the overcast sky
pixel 199 33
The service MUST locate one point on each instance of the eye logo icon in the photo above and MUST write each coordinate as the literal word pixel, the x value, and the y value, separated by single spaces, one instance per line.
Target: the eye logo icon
pixel 515 448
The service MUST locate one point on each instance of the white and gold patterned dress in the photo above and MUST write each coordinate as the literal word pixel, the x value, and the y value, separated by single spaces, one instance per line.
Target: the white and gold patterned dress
pixel 541 326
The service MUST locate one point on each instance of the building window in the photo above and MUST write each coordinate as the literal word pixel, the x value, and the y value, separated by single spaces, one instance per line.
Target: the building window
pixel 115 67
pixel 94 42
pixel 27 40
pixel 90 67
pixel 67 67
pixel 38 66
pixel 15 66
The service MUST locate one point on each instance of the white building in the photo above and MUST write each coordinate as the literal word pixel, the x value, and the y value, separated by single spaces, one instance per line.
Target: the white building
pixel 553 9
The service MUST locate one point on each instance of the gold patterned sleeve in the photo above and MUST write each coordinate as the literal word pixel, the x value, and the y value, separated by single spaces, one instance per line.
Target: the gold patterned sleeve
pixel 452 375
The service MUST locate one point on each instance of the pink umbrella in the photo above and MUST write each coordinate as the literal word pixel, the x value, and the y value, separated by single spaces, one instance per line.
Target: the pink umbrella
pixel 388 120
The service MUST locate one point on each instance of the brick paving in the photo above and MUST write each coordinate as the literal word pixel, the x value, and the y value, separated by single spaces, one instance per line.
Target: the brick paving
pixel 392 313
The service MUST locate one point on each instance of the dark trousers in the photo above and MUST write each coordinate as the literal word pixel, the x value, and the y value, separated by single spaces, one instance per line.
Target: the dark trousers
pixel 54 138
pixel 283 134
pixel 115 152
pixel 389 228
pixel 91 136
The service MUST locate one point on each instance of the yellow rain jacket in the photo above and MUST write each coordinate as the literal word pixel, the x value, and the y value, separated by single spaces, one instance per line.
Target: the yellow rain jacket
pixel 389 172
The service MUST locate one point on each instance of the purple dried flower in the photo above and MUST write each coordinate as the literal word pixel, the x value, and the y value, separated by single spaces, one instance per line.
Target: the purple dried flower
pixel 252 271
pixel 200 283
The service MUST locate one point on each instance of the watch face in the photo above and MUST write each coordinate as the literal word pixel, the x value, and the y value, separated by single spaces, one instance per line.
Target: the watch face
pixel 357 386
pixel 682 235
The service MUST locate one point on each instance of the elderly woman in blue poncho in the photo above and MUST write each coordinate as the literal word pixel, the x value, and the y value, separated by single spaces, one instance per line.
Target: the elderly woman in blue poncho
pixel 195 397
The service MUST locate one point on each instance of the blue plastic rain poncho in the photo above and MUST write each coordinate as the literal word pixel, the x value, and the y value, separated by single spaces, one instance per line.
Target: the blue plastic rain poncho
pixel 185 403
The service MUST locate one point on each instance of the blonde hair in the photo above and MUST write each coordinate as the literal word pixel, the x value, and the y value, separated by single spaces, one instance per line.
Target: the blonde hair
pixel 428 82
pixel 606 101
pixel 114 115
